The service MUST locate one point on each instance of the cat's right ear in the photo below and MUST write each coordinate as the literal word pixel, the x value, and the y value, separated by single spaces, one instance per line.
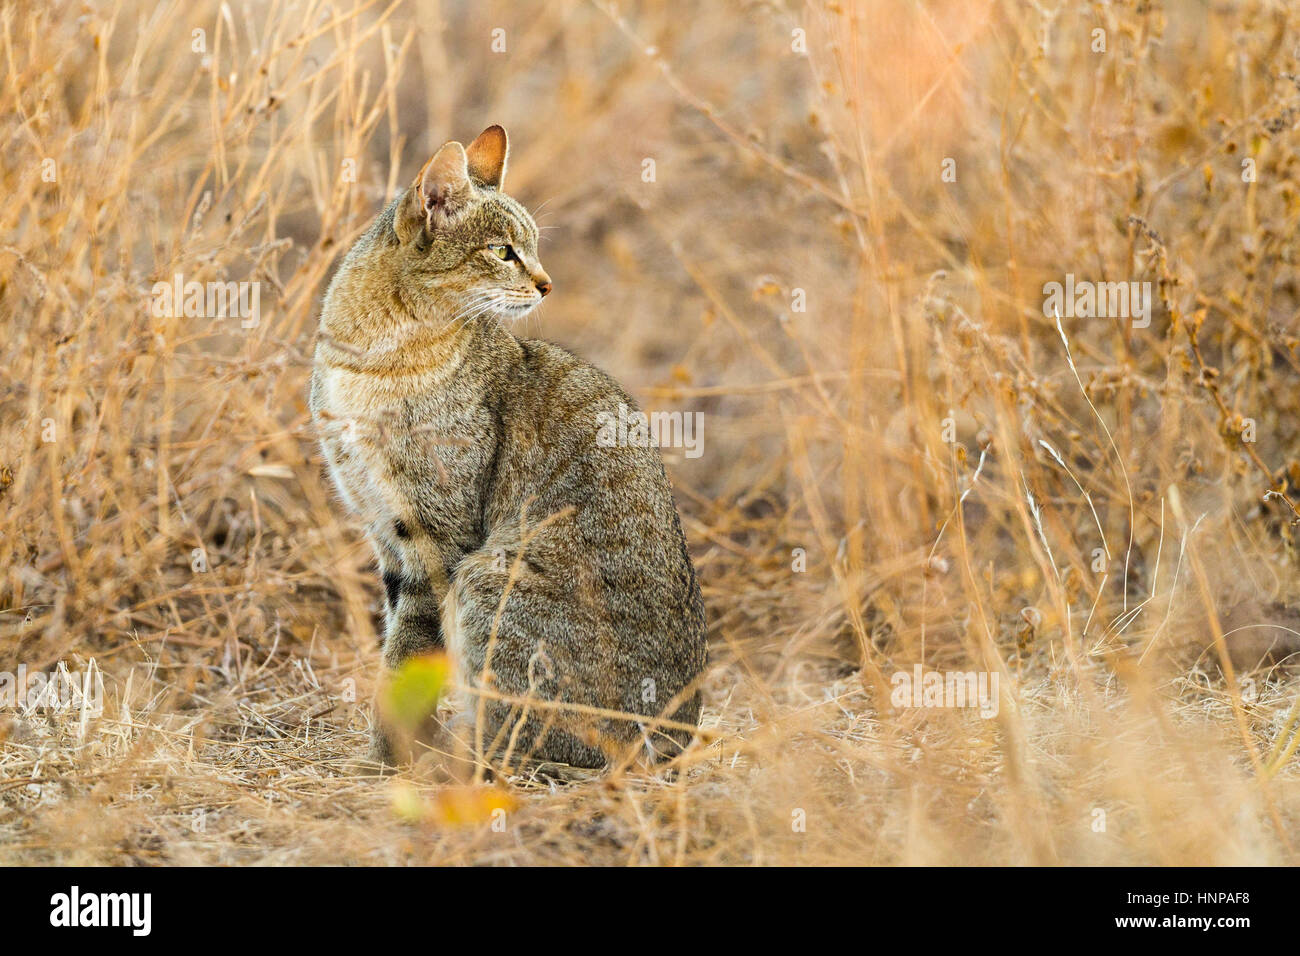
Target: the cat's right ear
pixel 438 195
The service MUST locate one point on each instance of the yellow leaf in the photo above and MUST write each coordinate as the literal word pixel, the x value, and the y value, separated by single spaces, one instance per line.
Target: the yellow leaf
pixel 412 693
pixel 471 806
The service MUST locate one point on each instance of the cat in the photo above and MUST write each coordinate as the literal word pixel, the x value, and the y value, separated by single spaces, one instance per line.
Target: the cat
pixel 471 457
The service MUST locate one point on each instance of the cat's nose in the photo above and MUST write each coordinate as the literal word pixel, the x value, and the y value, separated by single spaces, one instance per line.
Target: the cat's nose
pixel 544 287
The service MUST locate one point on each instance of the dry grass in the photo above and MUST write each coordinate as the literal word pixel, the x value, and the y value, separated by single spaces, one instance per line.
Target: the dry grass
pixel 1140 690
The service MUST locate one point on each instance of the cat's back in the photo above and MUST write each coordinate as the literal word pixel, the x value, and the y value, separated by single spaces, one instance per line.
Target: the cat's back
pixel 558 403
pixel 573 388
pixel 624 511
pixel 554 452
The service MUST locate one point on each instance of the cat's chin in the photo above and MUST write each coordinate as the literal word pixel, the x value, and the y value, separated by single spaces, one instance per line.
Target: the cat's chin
pixel 513 312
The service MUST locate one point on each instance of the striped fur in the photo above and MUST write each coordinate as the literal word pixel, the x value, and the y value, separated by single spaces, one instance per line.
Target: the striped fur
pixel 555 571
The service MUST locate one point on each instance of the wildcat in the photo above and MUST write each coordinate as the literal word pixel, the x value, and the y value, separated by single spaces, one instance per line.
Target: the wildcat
pixel 471 457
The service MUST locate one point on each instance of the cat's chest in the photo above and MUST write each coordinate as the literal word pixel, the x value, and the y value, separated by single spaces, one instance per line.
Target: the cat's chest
pixel 407 451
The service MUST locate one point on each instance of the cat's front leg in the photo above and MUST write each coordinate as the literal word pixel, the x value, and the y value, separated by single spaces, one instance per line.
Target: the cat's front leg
pixel 411 628
pixel 412 623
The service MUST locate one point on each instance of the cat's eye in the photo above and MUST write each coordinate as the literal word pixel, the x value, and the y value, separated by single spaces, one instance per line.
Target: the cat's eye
pixel 503 252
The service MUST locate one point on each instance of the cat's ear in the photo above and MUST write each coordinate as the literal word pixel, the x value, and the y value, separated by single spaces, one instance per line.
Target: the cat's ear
pixel 487 157
pixel 438 194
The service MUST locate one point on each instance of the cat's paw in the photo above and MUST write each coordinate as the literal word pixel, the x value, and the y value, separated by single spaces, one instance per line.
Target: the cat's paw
pixel 379 760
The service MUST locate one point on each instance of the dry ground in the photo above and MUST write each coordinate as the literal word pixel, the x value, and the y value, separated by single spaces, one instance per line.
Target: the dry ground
pixel 839 261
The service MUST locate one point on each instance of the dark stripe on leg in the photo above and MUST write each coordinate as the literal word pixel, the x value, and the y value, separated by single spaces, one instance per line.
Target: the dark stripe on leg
pixel 392 588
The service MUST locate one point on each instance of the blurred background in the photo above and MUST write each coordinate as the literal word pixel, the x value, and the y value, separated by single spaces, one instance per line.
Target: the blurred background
pixel 825 226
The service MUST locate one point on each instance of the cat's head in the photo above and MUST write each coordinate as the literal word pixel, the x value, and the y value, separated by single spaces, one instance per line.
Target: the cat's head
pixel 464 248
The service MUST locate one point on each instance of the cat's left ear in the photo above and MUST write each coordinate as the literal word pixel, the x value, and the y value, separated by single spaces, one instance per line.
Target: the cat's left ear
pixel 487 157
pixel 438 195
